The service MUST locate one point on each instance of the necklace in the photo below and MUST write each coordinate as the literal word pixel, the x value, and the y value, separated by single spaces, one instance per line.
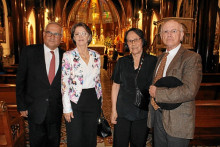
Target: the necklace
pixel 84 56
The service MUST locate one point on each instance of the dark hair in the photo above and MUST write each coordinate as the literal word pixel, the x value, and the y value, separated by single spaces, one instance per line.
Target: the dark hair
pixel 88 30
pixel 140 33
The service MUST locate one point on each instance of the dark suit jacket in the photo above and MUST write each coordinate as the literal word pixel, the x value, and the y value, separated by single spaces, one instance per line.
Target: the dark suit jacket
pixel 33 90
pixel 180 122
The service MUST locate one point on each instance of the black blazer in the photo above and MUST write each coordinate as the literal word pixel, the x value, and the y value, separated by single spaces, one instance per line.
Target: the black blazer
pixel 33 90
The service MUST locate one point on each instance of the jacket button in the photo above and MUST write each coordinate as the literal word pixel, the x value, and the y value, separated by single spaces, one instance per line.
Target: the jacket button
pixel 46 99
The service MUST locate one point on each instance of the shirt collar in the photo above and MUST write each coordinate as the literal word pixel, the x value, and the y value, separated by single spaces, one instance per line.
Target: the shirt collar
pixel 46 49
pixel 175 50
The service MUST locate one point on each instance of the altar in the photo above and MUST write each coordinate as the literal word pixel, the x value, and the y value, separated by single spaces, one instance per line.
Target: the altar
pixel 99 48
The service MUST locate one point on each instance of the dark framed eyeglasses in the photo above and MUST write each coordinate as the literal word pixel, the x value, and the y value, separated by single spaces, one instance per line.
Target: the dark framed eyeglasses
pixel 49 34
pixel 133 41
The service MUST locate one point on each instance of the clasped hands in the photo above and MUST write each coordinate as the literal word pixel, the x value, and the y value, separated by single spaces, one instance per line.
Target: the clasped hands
pixel 152 92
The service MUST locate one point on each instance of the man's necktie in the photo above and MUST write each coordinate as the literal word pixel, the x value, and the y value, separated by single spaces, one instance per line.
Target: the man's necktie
pixel 161 68
pixel 52 68
pixel 158 76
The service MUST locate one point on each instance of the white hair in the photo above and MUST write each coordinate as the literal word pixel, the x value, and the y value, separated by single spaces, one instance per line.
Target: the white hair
pixel 55 24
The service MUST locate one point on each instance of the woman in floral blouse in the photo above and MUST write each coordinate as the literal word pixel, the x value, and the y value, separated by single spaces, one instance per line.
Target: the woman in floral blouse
pixel 81 89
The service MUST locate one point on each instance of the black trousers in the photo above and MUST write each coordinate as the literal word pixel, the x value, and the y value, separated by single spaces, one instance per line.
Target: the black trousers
pixel 162 139
pixel 133 132
pixel 82 130
pixel 46 134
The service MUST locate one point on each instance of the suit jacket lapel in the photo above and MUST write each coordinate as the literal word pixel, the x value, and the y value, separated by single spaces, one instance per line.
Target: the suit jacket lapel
pixel 60 63
pixel 43 65
pixel 60 60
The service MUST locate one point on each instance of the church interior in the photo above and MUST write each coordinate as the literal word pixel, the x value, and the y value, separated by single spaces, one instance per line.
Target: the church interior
pixel 22 23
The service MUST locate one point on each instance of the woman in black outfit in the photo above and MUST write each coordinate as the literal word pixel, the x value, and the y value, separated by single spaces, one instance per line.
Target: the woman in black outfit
pixel 130 122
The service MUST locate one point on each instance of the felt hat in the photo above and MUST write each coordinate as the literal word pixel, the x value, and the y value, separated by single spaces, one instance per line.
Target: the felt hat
pixel 169 82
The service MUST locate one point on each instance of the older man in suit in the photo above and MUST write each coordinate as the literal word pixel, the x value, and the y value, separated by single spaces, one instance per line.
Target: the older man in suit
pixel 175 128
pixel 38 88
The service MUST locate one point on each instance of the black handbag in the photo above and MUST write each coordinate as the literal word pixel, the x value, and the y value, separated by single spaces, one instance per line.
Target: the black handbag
pixel 103 128
pixel 141 100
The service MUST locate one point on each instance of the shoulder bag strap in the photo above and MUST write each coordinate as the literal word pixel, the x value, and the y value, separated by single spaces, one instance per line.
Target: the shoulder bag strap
pixel 139 68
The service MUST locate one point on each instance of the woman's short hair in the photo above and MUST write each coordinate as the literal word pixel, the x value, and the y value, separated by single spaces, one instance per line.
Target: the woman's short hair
pixel 140 33
pixel 88 30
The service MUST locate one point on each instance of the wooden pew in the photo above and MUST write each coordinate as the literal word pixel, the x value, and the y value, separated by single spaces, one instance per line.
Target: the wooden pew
pixel 11 68
pixel 7 78
pixel 211 77
pixel 111 65
pixel 207 126
pixel 11 126
pixel 209 91
pixel 8 93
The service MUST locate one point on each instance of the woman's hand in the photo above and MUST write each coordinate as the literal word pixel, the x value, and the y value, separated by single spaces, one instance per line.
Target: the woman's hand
pixel 68 116
pixel 115 90
pixel 114 116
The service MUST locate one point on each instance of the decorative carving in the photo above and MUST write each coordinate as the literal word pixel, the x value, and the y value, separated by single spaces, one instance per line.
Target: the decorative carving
pixel 3 106
pixel 2 35
pixel 2 24
pixel 15 130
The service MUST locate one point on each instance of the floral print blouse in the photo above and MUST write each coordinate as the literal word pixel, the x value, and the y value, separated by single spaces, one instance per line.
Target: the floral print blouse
pixel 72 77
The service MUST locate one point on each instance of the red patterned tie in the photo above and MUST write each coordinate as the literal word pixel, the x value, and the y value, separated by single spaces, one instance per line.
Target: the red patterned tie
pixel 161 68
pixel 52 68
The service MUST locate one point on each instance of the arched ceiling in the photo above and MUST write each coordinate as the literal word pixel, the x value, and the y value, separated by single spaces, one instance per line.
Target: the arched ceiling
pixel 99 15
pixel 93 12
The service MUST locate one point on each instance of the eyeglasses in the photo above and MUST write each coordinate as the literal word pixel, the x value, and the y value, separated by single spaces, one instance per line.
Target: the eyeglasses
pixel 56 35
pixel 133 41
pixel 83 34
pixel 166 32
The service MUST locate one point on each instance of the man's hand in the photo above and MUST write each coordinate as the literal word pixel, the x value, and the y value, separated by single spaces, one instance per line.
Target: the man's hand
pixel 68 116
pixel 154 104
pixel 152 91
pixel 24 113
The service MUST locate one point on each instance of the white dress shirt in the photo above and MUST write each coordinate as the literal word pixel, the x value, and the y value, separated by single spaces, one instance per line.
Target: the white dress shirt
pixel 48 57
pixel 170 57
